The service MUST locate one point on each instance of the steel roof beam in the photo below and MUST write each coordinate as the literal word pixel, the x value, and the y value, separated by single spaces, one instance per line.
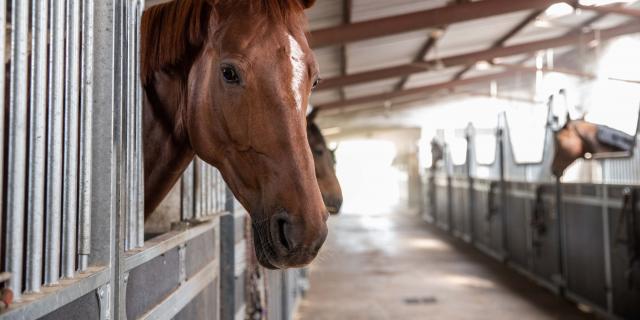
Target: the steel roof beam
pixel 473 57
pixel 422 20
pixel 416 91
pixel 611 9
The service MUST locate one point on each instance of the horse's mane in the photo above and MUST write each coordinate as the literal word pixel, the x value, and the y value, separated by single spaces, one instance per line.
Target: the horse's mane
pixel 172 30
pixel 169 31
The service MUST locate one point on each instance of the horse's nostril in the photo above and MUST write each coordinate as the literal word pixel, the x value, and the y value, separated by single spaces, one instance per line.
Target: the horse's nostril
pixel 283 226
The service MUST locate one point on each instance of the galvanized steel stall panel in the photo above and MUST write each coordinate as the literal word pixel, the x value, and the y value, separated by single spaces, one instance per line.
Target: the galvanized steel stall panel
pixel 625 298
pixel 517 228
pixel 544 253
pixel 584 253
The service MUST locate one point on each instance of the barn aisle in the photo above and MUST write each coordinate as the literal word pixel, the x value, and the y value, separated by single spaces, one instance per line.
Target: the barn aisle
pixel 394 266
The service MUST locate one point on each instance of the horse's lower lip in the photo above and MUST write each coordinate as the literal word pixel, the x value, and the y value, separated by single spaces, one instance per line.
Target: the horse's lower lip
pixel 333 210
pixel 265 257
pixel 265 261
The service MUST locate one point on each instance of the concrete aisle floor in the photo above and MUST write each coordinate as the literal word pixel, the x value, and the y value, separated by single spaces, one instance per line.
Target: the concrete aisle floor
pixel 394 266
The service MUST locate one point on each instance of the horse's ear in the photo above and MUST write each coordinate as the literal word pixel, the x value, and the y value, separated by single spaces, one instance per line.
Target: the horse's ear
pixel 305 3
pixel 566 121
pixel 312 115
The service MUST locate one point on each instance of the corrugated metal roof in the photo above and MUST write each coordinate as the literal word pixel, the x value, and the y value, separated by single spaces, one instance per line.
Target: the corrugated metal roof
pixel 373 9
pixel 384 52
pixel 476 34
pixel 459 38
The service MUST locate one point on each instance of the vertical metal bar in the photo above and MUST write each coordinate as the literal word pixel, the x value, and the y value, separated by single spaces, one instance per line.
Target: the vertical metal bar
pixel 216 185
pixel 84 234
pixel 132 117
pixel 54 144
pixel 3 21
pixel 196 186
pixel 210 190
pixel 606 237
pixel 37 146
pixel 222 198
pixel 71 135
pixel 139 124
pixel 120 110
pixel 187 193
pixel 105 216
pixel 203 189
pixel 16 167
pixel 562 274
pixel 502 144
pixel 127 123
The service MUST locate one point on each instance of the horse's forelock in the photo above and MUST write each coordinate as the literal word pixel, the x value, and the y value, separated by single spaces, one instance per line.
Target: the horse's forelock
pixel 289 12
pixel 169 32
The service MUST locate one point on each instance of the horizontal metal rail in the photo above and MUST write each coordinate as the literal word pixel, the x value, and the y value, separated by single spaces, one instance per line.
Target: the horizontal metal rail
pixel 177 300
pixel 52 298
pixel 158 246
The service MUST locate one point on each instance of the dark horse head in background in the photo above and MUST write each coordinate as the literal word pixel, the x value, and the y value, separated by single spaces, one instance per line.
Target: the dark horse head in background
pixel 229 81
pixel 581 139
pixel 437 152
pixel 325 163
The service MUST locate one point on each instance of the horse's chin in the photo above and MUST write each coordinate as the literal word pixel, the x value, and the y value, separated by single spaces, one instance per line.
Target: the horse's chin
pixel 264 261
pixel 333 211
pixel 262 250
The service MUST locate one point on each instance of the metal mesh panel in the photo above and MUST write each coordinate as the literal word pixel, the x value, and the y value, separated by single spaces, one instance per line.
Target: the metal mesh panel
pixel 623 171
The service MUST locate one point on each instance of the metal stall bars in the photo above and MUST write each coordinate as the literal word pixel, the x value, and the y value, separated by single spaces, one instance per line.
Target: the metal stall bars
pixel 59 189
pixel 35 104
pixel 176 274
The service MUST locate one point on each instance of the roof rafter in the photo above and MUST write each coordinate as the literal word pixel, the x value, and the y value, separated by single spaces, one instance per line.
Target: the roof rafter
pixel 430 44
pixel 417 91
pixel 422 20
pixel 511 70
pixel 611 9
pixel 473 57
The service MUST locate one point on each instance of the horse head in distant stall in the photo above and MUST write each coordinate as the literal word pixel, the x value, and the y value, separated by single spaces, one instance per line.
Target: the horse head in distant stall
pixel 229 81
pixel 325 163
pixel 437 152
pixel 582 139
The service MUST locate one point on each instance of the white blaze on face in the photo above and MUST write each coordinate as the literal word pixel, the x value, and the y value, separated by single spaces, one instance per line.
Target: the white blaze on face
pixel 296 55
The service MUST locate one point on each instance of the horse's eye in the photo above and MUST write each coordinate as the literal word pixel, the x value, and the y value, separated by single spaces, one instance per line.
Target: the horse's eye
pixel 230 74
pixel 316 83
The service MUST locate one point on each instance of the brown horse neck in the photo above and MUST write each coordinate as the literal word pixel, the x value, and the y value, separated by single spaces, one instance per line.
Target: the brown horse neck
pixel 588 133
pixel 167 150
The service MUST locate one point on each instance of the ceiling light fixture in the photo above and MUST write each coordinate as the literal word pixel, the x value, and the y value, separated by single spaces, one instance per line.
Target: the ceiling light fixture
pixel 559 10
pixel 483 65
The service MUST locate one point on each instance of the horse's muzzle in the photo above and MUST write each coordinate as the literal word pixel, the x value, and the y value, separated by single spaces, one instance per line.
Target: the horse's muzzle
pixel 333 205
pixel 281 244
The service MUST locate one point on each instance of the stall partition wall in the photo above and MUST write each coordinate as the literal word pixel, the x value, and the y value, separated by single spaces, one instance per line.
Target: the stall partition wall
pixel 571 238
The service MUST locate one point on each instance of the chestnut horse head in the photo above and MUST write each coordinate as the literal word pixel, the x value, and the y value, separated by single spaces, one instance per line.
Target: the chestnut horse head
pixel 325 162
pixel 229 81
pixel 582 139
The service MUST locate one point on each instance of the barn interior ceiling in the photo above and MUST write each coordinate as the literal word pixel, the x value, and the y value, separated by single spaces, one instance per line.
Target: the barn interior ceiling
pixel 377 59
